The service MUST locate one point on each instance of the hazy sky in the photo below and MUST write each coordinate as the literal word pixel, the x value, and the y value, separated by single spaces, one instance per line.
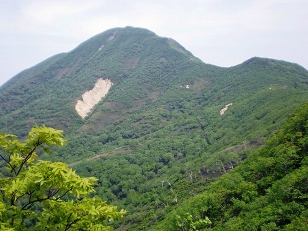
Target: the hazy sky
pixel 219 32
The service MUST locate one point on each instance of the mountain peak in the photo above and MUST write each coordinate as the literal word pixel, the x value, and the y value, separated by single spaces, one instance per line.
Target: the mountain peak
pixel 148 119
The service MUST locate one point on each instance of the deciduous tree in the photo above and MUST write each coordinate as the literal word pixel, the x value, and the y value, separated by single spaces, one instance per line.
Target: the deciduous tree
pixel 45 195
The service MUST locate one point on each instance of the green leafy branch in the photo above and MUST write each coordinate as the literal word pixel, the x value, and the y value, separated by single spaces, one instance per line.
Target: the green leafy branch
pixel 45 195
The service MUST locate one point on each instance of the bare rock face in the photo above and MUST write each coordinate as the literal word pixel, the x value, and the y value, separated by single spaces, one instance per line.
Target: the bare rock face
pixel 92 97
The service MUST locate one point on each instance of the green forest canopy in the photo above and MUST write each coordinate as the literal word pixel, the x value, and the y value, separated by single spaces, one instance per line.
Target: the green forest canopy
pixel 268 191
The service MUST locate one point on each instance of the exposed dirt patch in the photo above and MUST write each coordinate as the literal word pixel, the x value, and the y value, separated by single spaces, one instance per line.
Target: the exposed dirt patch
pixel 222 111
pixel 111 36
pixel 92 97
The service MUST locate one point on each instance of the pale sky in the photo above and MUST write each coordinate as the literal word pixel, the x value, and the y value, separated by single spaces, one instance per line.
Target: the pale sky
pixel 220 32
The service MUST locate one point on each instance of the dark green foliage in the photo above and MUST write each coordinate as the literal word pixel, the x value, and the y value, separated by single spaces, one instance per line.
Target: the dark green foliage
pixel 152 142
pixel 268 191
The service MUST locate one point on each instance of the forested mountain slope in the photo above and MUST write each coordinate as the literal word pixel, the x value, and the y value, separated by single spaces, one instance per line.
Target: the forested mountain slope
pixel 157 138
pixel 268 191
pixel 138 62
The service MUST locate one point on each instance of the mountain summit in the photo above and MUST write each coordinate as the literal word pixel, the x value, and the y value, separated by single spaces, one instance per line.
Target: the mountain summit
pixel 152 122
pixel 136 61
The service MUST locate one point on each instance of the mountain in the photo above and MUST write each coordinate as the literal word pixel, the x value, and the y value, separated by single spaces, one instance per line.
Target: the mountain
pixel 268 191
pixel 152 122
pixel 133 59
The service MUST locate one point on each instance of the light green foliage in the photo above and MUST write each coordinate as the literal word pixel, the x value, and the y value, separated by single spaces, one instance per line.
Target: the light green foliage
pixel 188 223
pixel 44 195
